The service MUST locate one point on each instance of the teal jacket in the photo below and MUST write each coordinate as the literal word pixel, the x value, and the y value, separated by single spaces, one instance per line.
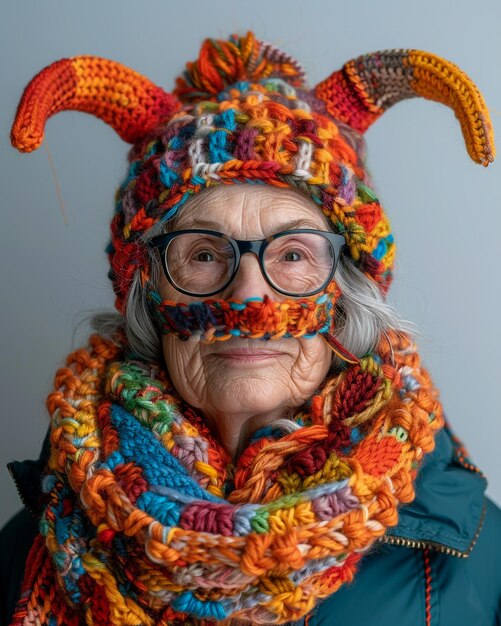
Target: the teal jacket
pixel 440 566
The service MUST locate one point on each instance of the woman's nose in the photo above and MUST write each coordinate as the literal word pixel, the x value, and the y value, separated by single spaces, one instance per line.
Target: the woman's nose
pixel 249 281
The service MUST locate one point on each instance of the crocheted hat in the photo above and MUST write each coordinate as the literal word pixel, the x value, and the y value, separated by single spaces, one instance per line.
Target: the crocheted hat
pixel 242 113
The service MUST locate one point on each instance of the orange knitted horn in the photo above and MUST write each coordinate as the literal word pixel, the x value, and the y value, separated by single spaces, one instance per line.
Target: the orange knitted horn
pixel 361 91
pixel 122 98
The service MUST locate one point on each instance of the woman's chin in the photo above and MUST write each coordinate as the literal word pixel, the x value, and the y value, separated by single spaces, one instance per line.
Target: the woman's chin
pixel 251 394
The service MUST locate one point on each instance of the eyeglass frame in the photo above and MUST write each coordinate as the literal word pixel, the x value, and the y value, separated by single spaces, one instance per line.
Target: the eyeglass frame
pixel 243 246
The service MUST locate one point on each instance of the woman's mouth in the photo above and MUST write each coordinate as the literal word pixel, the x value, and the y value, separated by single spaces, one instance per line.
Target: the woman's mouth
pixel 245 351
pixel 245 355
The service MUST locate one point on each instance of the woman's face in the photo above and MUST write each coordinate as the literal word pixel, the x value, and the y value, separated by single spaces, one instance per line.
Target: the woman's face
pixel 243 384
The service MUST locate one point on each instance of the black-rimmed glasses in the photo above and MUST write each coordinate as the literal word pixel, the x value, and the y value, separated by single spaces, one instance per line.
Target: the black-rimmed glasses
pixel 200 262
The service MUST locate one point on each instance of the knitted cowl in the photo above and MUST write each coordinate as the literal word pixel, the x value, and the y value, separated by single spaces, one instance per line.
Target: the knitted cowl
pixel 147 521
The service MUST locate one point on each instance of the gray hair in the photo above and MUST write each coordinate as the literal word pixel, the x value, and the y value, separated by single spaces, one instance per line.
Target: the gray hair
pixel 362 316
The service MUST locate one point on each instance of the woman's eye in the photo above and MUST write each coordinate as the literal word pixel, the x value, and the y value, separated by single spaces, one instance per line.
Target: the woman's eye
pixel 292 255
pixel 204 256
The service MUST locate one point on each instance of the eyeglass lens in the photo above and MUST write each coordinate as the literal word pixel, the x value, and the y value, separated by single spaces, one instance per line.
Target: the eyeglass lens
pixel 297 263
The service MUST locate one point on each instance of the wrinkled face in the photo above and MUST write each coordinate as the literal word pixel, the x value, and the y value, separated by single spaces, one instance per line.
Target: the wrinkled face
pixel 241 384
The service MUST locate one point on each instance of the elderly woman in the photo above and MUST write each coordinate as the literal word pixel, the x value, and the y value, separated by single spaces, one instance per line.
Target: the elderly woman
pixel 236 445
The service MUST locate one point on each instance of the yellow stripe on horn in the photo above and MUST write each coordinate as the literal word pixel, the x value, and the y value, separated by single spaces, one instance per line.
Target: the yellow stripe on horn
pixel 121 97
pixel 442 81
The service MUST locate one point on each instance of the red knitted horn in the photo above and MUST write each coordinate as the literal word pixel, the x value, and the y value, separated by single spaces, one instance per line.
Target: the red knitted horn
pixel 361 91
pixel 122 98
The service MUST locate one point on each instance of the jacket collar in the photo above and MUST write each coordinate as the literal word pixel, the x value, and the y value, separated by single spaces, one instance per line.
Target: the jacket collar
pixel 27 476
pixel 449 506
pixel 447 511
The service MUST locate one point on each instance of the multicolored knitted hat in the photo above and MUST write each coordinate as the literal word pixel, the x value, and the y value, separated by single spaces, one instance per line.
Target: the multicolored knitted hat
pixel 242 113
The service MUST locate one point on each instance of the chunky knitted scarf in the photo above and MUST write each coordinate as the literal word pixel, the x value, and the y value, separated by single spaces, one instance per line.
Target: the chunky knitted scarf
pixel 146 520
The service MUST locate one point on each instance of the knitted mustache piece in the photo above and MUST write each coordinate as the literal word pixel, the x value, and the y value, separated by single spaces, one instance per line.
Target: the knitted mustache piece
pixel 241 113
pixel 255 318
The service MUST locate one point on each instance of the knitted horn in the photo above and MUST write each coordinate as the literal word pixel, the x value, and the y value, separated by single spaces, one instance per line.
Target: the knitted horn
pixel 122 98
pixel 361 91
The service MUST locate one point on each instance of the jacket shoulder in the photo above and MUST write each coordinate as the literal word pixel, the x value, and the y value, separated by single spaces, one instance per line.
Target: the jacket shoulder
pixel 399 585
pixel 492 522
pixel 468 590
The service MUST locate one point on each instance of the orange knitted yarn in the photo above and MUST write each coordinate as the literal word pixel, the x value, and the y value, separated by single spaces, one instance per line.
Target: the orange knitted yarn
pixel 122 98
pixel 147 522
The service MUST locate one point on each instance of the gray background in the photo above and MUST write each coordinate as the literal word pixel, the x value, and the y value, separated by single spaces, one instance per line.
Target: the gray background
pixel 445 210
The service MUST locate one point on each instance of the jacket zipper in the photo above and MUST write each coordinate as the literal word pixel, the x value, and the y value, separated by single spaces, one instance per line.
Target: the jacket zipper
pixel 27 506
pixel 417 544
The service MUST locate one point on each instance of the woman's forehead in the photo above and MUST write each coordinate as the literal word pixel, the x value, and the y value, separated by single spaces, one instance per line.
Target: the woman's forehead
pixel 250 210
